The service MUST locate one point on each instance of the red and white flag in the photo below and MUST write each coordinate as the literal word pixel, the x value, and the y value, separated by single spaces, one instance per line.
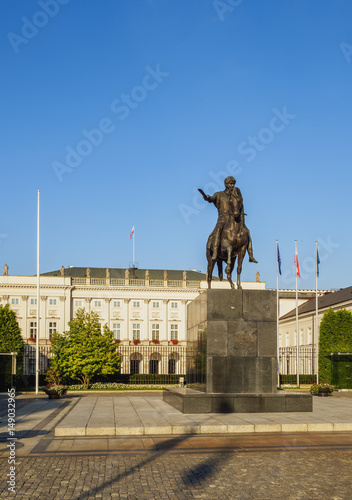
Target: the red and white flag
pixel 297 265
pixel 132 232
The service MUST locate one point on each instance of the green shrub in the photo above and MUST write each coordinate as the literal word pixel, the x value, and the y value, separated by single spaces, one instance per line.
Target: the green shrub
pixel 303 379
pixel 335 335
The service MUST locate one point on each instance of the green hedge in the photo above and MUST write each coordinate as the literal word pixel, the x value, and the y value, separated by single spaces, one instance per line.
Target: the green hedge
pixel 335 335
pixel 137 378
pixel 141 378
pixel 292 379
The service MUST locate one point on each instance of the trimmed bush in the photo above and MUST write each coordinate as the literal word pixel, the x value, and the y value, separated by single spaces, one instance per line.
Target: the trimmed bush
pixel 335 335
pixel 303 379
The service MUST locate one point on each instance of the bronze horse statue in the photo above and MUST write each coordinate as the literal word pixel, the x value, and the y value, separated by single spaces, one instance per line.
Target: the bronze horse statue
pixel 234 242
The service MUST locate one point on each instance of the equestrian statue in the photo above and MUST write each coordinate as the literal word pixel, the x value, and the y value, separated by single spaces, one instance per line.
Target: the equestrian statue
pixel 230 238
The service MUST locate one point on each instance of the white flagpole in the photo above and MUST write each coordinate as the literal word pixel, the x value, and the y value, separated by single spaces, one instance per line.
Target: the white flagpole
pixel 38 304
pixel 316 315
pixel 133 244
pixel 277 313
pixel 297 334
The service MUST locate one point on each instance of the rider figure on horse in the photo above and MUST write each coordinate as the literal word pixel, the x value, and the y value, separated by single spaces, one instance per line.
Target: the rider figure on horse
pixel 225 201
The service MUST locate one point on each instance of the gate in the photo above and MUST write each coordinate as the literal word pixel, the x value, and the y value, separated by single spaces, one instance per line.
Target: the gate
pixel 341 370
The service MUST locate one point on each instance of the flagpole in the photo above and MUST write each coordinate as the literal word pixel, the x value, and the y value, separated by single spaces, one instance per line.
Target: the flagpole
pixel 38 302
pixel 133 245
pixel 297 335
pixel 277 313
pixel 316 314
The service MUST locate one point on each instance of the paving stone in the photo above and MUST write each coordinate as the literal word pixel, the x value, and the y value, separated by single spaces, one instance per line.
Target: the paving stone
pixel 206 475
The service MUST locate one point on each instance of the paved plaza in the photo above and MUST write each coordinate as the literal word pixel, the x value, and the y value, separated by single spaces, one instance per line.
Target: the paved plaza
pixel 196 462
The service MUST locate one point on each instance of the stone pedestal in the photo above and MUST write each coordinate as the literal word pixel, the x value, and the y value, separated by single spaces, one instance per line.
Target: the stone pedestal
pixel 232 356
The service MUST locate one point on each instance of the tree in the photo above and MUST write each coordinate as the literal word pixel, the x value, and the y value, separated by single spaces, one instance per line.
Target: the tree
pixel 335 335
pixel 84 351
pixel 10 335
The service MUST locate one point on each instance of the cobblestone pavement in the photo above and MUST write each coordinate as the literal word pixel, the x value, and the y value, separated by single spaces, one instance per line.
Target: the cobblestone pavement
pixel 267 466
pixel 168 472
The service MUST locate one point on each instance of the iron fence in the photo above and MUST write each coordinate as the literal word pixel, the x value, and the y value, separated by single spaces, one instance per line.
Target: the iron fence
pixel 29 359
pixel 147 364
pixel 306 360
pixel 139 364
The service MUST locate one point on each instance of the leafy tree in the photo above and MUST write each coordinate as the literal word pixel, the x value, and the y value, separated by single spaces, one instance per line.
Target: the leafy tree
pixel 335 335
pixel 10 335
pixel 84 351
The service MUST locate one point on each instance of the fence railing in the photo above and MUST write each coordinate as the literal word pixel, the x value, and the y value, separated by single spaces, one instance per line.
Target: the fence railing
pixel 150 361
pixel 29 359
pixel 139 364
pixel 306 360
pixel 135 282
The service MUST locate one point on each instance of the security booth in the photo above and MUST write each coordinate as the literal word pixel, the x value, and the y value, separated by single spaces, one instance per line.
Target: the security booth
pixel 8 362
pixel 341 370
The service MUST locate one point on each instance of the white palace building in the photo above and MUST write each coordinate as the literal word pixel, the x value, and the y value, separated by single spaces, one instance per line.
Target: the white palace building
pixel 142 307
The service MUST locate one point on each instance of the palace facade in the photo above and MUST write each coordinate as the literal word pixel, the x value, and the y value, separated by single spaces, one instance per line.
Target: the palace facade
pixel 145 309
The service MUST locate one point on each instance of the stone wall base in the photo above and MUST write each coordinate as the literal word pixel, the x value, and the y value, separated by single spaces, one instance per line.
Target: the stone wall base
pixel 192 401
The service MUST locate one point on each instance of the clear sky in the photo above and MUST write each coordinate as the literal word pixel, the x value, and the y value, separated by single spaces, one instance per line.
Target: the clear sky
pixel 117 111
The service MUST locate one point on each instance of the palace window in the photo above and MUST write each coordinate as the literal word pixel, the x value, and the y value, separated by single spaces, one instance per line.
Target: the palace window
pixel 116 330
pixel 33 329
pixel 309 336
pixel 136 331
pixel 33 302
pixel 78 303
pixel 174 331
pixel 116 303
pixel 97 303
pixel 15 301
pixel 156 305
pixel 52 302
pixel 136 304
pixel 174 305
pixel 52 328
pixel 155 331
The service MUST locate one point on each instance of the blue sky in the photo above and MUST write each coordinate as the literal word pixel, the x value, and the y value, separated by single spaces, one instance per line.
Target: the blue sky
pixel 118 111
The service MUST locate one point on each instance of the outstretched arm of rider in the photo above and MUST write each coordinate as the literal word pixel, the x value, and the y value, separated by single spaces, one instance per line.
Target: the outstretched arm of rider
pixel 209 199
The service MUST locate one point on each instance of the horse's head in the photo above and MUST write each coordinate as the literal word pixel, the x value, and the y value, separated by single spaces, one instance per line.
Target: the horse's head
pixel 236 206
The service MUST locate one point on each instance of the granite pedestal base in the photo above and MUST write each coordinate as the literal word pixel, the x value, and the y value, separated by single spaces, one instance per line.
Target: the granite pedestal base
pixel 232 356
pixel 192 401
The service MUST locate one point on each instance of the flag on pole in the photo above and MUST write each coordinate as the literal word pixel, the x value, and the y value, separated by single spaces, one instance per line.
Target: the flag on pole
pixel 132 232
pixel 278 259
pixel 297 265
pixel 318 262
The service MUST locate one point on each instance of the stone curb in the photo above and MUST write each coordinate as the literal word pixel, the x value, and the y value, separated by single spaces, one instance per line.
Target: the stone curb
pixel 178 430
